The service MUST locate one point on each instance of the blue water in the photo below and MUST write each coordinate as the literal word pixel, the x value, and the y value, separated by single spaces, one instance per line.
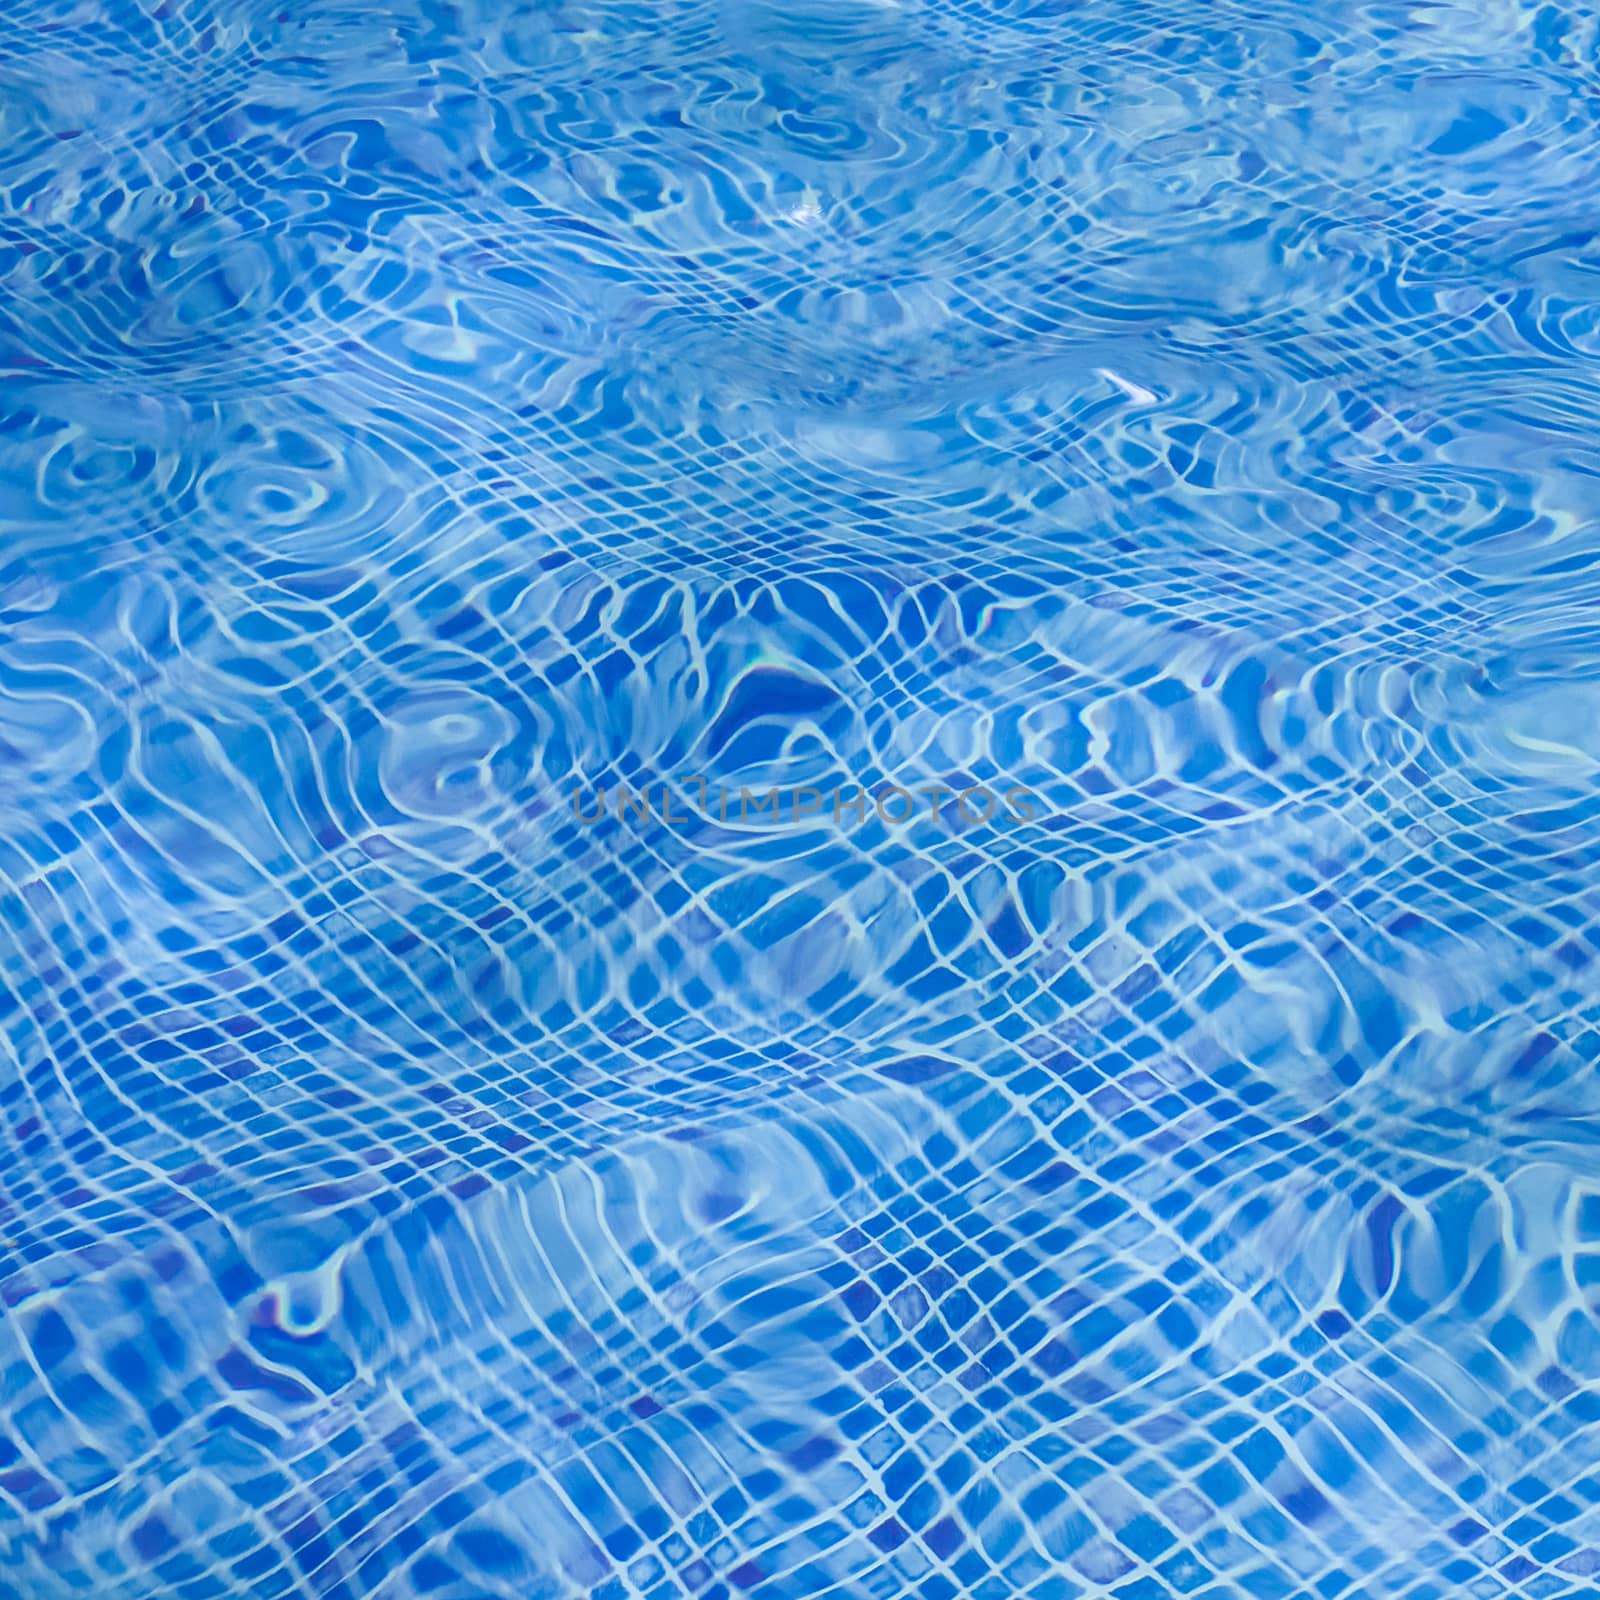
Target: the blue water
pixel 450 453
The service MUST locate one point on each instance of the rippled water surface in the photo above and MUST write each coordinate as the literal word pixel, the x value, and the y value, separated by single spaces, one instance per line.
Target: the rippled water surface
pixel 421 1175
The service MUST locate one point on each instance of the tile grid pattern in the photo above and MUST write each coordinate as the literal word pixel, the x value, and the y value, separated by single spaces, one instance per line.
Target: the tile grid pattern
pixel 414 412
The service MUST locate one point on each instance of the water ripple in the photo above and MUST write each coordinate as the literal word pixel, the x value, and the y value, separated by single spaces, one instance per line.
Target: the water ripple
pixel 414 416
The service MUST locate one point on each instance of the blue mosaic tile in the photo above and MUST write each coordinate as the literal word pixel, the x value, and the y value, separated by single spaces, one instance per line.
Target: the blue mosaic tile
pixel 799 800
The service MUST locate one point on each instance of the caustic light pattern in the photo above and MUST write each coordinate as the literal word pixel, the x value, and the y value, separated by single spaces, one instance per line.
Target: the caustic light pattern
pixel 413 414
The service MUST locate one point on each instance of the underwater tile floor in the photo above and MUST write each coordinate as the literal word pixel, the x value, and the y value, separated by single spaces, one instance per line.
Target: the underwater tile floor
pixel 799 800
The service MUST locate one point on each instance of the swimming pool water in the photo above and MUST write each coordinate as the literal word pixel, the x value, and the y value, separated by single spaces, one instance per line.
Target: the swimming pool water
pixel 426 1170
